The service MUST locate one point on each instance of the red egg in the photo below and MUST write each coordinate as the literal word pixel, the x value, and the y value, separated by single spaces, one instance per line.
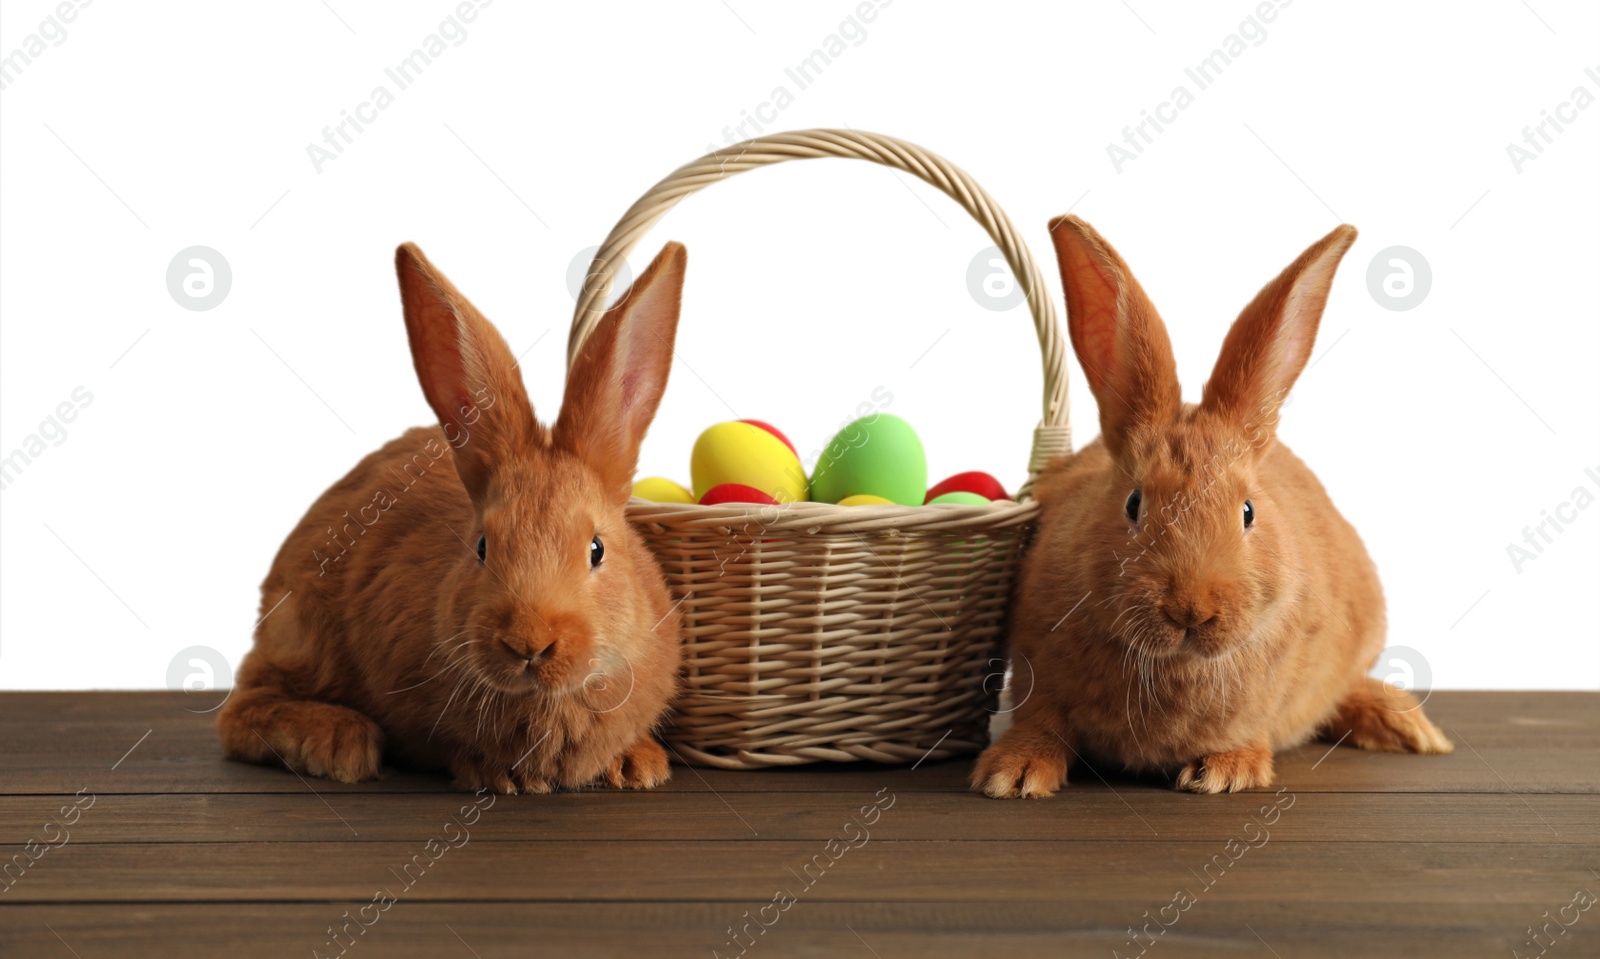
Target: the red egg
pixel 976 481
pixel 735 493
pixel 775 432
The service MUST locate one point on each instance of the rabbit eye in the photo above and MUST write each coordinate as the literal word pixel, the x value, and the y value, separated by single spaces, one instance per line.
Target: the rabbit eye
pixel 483 548
pixel 597 552
pixel 1132 507
pixel 1249 514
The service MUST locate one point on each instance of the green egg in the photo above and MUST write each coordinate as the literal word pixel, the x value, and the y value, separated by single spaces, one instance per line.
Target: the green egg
pixel 877 455
pixel 962 497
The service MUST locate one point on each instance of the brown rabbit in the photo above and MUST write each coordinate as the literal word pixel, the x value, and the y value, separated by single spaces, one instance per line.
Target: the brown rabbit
pixel 470 596
pixel 1192 601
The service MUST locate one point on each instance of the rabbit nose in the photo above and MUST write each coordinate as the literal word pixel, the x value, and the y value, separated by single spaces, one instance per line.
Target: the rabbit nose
pixel 1188 614
pixel 528 649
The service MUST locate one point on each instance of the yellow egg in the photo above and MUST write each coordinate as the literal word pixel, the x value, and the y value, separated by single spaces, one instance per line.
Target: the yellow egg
pixel 660 490
pixel 865 499
pixel 749 455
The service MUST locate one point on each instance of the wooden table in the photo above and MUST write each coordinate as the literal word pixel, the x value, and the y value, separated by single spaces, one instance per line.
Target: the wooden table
pixel 182 853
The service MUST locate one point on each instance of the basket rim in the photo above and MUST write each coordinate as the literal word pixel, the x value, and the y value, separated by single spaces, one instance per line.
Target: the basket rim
pixel 822 518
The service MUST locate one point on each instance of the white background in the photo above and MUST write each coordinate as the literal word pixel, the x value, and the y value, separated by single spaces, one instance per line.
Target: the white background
pixel 1441 431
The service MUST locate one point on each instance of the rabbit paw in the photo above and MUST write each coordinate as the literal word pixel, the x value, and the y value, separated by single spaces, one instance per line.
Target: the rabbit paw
pixel 483 772
pixel 348 747
pixel 1249 767
pixel 317 739
pixel 1380 717
pixel 1025 763
pixel 643 765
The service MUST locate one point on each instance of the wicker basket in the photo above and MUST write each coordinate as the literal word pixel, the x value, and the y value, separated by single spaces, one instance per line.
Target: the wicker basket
pixel 815 632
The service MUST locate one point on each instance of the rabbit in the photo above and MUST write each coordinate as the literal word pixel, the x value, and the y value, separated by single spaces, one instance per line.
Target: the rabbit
pixel 470 597
pixel 1192 601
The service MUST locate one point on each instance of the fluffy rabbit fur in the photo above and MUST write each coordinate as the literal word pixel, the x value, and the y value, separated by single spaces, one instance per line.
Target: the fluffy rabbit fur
pixel 1158 629
pixel 470 597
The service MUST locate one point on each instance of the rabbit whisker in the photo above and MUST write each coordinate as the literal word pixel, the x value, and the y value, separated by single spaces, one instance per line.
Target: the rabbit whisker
pixel 441 644
pixel 453 692
pixel 435 652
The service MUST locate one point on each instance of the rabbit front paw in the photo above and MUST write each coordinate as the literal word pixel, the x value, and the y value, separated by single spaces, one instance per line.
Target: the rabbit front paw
pixel 1249 767
pixel 643 765
pixel 475 772
pixel 1026 763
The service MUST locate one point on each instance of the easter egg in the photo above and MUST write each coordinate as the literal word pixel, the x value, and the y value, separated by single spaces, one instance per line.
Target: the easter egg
pixel 660 490
pixel 878 454
pixel 748 455
pixel 976 481
pixel 735 493
pixel 960 497
pixel 865 499
pixel 775 432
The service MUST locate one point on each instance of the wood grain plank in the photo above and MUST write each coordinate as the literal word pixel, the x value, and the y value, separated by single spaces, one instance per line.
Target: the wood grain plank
pixel 1106 871
pixel 158 768
pixel 1085 814
pixel 887 930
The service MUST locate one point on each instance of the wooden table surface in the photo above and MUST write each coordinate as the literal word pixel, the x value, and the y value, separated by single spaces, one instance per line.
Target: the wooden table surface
pixel 169 850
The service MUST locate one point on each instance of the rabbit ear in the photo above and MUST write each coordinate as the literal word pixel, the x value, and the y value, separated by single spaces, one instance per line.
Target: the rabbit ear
pixel 467 373
pixel 1271 341
pixel 1120 340
pixel 619 374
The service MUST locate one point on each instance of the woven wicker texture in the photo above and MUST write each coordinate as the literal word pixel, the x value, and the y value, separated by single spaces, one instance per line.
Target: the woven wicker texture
pixel 815 632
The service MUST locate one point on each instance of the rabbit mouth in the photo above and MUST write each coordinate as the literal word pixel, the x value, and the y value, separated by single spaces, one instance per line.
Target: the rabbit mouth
pixel 1204 642
pixel 1183 629
pixel 1163 638
pixel 520 674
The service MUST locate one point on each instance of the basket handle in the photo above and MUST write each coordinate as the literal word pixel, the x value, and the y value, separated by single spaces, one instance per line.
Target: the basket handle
pixel 1051 437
